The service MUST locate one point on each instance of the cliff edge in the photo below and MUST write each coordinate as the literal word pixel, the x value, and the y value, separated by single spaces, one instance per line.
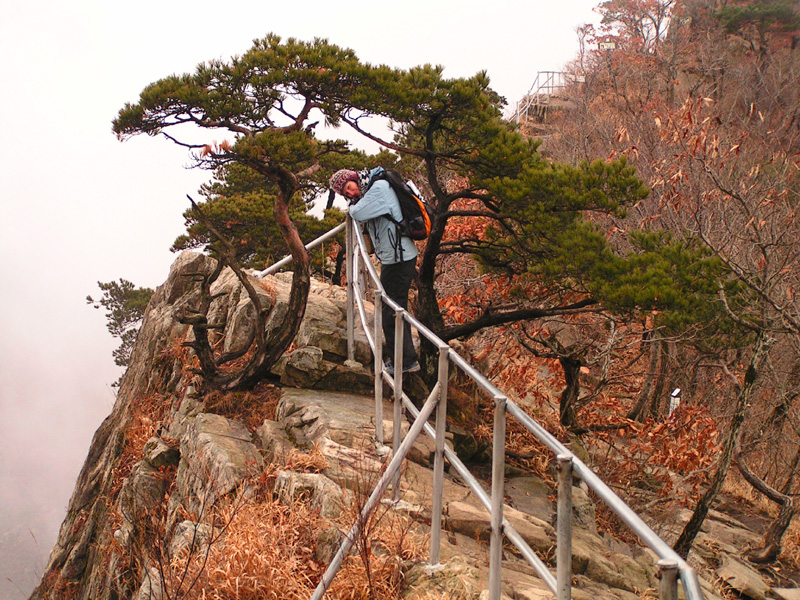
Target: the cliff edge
pixel 188 493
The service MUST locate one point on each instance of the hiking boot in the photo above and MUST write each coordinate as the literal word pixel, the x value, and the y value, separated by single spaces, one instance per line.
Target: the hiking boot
pixel 412 368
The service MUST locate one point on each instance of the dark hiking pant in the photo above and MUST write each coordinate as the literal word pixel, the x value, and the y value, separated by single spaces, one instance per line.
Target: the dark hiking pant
pixel 396 280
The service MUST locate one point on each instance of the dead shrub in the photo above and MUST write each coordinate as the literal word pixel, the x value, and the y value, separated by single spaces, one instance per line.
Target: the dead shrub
pixel 645 457
pixel 267 551
pixel 252 407
pixel 384 541
pixel 376 573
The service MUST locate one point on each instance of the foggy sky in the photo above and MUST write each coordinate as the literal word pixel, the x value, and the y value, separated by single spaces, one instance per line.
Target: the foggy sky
pixel 77 206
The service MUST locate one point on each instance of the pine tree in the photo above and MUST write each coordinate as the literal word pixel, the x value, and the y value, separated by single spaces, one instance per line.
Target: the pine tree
pixel 125 305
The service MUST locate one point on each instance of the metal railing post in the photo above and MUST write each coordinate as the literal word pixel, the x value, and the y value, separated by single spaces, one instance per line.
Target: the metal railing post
pixel 438 460
pixel 378 366
pixel 377 493
pixel 398 392
pixel 350 245
pixel 668 573
pixel 498 474
pixel 564 528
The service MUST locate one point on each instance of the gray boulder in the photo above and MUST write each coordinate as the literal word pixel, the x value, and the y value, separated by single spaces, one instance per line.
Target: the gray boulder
pixel 321 492
pixel 159 454
pixel 455 579
pixel 743 578
pixel 190 537
pixel 217 455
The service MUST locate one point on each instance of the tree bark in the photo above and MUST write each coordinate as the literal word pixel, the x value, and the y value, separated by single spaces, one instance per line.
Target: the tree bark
pixel 428 311
pixel 637 412
pixel 773 537
pixel 656 402
pixel 337 274
pixel 684 543
pixel 267 351
pixel 572 378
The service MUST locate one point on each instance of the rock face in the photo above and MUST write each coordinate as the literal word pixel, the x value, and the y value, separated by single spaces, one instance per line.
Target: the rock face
pixel 217 455
pixel 168 464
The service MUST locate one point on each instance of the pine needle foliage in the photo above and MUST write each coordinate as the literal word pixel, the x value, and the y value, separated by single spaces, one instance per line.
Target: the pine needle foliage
pixel 125 304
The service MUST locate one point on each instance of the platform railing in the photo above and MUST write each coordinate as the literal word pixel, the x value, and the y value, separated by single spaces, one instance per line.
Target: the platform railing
pixel 546 85
pixel 361 275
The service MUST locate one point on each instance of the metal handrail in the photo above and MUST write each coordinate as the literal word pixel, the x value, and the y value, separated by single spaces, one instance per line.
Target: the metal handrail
pixel 288 259
pixel 551 81
pixel 672 567
pixel 671 564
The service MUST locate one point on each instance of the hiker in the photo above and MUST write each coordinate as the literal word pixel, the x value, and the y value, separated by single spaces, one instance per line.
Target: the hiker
pixel 370 201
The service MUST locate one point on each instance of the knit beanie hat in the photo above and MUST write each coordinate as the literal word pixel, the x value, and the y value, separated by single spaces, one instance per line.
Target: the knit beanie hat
pixel 340 178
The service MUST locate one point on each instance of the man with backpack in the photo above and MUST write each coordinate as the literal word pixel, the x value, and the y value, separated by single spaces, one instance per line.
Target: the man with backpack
pixel 374 201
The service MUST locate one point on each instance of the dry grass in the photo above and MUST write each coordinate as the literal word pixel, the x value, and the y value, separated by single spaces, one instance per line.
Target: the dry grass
pixel 55 587
pixel 252 408
pixel 352 582
pixel 609 522
pixel 307 462
pixel 179 351
pixel 267 552
pixel 267 285
pixel 433 596
pixel 736 487
pixel 790 553
pixel 147 415
pixel 389 542
pixel 386 540
pixel 237 364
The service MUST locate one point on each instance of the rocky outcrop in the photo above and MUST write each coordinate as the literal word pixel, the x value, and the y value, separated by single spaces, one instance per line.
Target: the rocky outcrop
pixel 163 459
pixel 209 455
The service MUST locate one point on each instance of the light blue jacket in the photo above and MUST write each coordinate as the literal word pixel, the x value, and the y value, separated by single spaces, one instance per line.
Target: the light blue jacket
pixel 380 200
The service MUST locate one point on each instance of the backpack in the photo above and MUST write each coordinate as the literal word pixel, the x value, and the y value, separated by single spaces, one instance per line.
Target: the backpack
pixel 417 215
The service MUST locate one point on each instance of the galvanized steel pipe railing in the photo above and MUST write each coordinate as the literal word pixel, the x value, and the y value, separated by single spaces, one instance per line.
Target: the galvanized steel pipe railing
pixel 545 85
pixel 286 260
pixel 569 463
pixel 560 585
pixel 671 566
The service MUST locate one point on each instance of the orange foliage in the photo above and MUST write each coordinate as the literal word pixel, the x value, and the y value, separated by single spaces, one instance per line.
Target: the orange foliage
pixel 649 454
pixel 461 227
pixel 147 415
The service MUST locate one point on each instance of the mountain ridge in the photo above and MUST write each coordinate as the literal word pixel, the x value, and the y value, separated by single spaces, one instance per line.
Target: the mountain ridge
pixel 164 457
